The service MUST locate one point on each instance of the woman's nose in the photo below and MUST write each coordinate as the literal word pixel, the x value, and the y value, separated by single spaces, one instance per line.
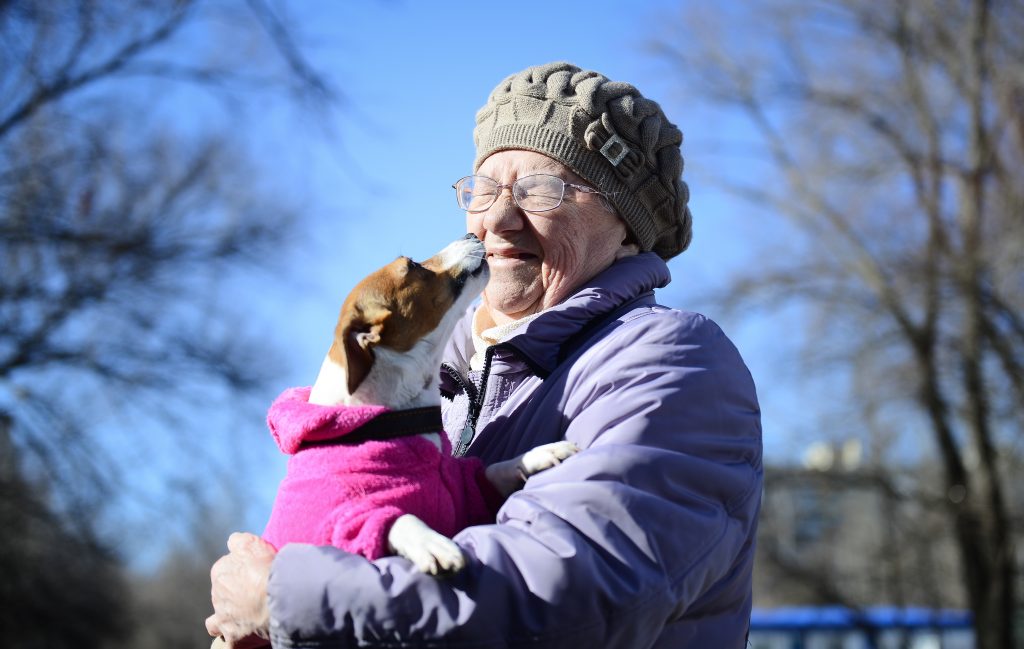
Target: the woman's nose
pixel 504 214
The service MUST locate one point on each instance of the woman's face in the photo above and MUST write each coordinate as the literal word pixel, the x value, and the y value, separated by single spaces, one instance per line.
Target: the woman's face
pixel 536 260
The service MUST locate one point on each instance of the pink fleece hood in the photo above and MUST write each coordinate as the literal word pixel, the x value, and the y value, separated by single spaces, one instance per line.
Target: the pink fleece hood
pixel 293 420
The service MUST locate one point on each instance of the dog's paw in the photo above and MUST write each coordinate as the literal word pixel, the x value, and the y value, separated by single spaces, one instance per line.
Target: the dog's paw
pixel 438 554
pixel 546 456
pixel 429 551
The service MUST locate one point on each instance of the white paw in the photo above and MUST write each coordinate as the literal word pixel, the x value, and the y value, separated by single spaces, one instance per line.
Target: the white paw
pixel 546 456
pixel 436 555
pixel 429 551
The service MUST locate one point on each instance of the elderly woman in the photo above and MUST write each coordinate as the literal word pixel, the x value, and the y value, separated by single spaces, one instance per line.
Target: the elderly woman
pixel 643 539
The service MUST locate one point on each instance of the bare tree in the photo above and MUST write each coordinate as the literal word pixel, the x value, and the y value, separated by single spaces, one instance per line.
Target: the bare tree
pixel 889 142
pixel 58 603
pixel 120 215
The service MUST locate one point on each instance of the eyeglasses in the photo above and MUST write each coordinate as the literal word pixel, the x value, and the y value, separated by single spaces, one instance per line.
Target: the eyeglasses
pixel 534 193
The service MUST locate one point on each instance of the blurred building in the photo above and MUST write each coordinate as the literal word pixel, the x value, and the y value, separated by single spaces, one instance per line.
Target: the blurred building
pixel 835 532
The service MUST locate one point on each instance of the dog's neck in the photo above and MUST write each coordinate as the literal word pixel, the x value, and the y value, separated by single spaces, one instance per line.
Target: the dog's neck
pixel 401 380
pixel 398 380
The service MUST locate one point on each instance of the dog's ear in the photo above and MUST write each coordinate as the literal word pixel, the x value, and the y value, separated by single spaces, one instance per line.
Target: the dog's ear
pixel 360 335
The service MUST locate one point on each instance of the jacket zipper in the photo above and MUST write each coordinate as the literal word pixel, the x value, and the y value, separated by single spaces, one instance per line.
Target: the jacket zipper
pixel 466 386
pixel 477 395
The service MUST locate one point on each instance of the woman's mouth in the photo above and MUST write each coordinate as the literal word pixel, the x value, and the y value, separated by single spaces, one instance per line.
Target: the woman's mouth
pixel 500 256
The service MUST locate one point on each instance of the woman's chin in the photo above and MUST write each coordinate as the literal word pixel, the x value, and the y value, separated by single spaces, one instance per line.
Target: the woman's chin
pixel 510 300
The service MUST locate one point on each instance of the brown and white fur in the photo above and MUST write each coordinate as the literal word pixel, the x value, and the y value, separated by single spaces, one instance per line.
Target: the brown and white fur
pixel 387 349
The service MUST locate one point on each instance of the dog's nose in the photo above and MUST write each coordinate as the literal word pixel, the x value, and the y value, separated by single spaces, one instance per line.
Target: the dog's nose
pixel 470 236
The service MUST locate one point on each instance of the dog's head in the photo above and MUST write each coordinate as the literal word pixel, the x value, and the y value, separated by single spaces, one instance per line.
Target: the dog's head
pixel 394 324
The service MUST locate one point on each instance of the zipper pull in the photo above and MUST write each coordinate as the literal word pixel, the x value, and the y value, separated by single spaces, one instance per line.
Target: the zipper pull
pixel 464 439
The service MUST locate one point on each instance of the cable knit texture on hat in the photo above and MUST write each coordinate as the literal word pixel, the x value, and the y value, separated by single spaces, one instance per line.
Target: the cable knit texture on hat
pixel 605 131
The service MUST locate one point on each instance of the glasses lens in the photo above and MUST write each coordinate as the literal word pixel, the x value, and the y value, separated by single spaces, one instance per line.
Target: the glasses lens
pixel 475 193
pixel 539 192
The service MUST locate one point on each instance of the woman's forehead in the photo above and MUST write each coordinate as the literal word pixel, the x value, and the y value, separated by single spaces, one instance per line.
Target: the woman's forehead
pixel 516 162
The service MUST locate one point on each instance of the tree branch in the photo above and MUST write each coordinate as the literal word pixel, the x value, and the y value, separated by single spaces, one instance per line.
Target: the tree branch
pixel 62 85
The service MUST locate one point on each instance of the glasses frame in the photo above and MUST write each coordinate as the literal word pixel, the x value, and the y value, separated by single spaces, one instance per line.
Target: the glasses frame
pixel 511 186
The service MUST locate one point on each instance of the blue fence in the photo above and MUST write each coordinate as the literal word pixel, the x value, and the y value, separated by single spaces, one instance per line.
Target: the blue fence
pixel 833 627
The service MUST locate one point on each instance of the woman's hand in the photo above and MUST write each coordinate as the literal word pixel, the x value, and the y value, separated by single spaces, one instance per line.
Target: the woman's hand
pixel 239 592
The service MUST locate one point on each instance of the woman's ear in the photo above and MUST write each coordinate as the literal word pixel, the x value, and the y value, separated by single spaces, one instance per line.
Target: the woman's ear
pixel 628 247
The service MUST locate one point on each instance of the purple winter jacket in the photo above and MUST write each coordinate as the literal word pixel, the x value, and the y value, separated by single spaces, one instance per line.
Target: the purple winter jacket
pixel 643 539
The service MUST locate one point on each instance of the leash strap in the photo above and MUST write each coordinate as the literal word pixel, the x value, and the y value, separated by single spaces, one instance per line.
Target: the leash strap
pixel 389 425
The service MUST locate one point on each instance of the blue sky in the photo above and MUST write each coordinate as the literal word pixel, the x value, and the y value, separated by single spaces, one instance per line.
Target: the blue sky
pixel 413 75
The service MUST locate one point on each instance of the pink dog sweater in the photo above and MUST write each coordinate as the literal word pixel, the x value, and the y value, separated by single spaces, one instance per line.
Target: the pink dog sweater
pixel 349 495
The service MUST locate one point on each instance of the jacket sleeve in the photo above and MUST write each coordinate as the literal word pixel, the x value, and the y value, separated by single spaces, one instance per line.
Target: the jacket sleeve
pixel 627 536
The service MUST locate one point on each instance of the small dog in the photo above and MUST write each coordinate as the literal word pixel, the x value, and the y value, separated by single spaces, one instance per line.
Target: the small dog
pixel 395 489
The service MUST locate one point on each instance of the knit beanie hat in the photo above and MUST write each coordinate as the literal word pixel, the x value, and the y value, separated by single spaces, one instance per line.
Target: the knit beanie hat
pixel 605 131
